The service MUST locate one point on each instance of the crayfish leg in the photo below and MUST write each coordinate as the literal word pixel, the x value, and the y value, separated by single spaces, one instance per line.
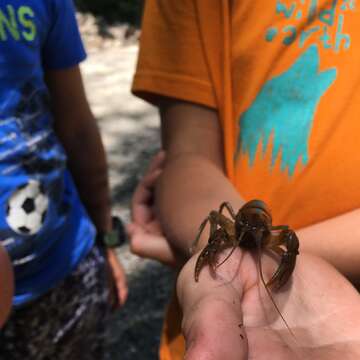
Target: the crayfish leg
pixel 218 241
pixel 216 219
pixel 226 205
pixel 201 229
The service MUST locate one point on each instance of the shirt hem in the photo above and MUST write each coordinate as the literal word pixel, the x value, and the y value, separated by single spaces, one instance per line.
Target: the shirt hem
pixel 151 86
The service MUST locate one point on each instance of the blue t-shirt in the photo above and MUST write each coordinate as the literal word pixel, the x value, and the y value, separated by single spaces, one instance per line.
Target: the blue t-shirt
pixel 43 224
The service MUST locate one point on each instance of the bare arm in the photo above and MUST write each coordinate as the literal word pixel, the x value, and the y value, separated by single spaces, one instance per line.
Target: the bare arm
pixel 194 167
pixel 6 286
pixel 336 240
pixel 77 129
pixel 193 181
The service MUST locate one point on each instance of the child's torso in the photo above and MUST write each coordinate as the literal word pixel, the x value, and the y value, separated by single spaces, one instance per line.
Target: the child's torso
pixel 295 78
pixel 42 223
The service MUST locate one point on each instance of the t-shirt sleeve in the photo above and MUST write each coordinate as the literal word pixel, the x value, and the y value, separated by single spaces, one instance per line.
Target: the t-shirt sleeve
pixel 63 47
pixel 171 60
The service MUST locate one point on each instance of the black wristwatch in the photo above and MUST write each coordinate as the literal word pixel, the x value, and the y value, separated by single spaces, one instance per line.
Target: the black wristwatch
pixel 113 238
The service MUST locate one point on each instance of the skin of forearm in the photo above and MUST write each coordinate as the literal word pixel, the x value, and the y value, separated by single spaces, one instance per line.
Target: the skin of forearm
pixel 6 286
pixel 88 166
pixel 194 167
pixel 200 187
pixel 193 181
pixel 336 240
pixel 77 130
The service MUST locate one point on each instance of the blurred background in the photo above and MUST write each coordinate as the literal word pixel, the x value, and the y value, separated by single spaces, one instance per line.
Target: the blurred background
pixel 130 130
pixel 113 11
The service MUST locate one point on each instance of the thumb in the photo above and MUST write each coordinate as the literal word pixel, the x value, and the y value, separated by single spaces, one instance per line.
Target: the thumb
pixel 212 317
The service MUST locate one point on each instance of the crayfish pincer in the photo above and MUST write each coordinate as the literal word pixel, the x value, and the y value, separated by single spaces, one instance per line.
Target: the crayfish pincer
pixel 251 228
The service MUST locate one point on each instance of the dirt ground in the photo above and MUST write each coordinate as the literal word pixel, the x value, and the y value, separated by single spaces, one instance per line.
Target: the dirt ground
pixel 130 130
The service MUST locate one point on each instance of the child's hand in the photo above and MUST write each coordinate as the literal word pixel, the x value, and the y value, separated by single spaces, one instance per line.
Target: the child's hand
pixel 119 288
pixel 231 316
pixel 146 237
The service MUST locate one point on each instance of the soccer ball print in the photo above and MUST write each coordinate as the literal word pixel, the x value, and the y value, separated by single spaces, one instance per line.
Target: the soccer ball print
pixel 26 209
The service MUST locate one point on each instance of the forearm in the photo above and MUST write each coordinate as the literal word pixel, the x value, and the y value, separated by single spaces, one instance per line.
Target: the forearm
pixel 88 166
pixel 193 181
pixel 6 286
pixel 78 132
pixel 200 187
pixel 337 240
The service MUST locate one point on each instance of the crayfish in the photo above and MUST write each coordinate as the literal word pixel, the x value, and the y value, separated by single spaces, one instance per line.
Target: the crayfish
pixel 251 228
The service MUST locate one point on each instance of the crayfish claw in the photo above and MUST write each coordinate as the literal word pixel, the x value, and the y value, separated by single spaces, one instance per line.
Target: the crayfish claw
pixel 283 272
pixel 218 242
pixel 201 261
pixel 287 262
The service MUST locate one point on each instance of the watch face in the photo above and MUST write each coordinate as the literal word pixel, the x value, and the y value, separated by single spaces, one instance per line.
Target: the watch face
pixel 111 239
pixel 117 236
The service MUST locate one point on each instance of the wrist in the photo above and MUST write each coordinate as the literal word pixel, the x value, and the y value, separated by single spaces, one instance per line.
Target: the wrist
pixel 114 236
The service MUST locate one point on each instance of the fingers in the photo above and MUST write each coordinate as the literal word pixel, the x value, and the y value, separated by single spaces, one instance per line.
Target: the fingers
pixel 142 197
pixel 121 285
pixel 142 214
pixel 150 245
pixel 119 277
pixel 143 191
pixel 152 173
pixel 157 161
pixel 212 317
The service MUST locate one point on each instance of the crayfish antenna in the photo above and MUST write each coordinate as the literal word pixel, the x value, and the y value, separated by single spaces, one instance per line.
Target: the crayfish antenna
pixel 227 257
pixel 236 244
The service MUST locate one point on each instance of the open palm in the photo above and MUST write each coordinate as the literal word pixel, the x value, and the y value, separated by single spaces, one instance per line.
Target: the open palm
pixel 232 317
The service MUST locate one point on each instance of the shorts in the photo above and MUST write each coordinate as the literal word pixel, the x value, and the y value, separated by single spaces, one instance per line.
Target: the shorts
pixel 66 323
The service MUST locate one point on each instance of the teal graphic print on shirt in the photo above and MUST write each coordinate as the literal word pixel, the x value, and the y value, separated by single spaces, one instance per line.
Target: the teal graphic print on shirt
pixel 281 116
pixel 283 112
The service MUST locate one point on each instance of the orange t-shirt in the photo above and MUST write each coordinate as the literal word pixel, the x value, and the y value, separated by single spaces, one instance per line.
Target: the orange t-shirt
pixel 284 76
